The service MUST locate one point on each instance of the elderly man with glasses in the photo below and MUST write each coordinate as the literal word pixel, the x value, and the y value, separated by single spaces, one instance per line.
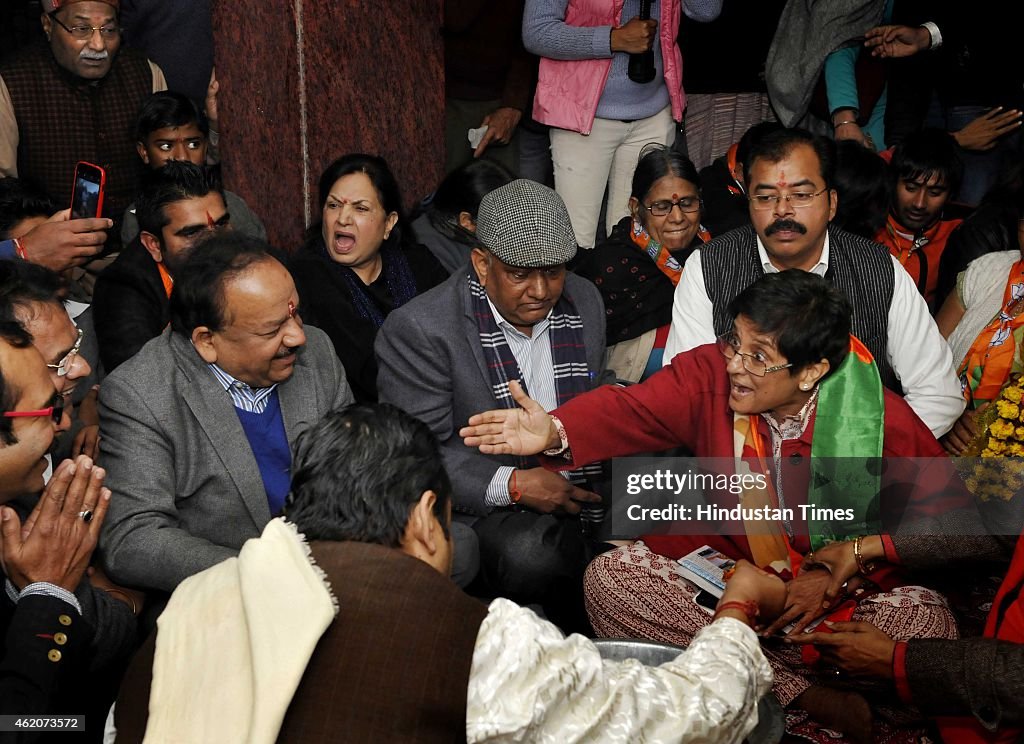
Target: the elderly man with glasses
pixel 789 186
pixel 95 85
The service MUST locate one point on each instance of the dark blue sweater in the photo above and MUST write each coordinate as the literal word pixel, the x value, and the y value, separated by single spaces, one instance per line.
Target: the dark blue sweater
pixel 266 435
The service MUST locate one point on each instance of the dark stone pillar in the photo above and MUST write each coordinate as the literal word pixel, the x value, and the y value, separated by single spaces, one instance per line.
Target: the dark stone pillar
pixel 304 81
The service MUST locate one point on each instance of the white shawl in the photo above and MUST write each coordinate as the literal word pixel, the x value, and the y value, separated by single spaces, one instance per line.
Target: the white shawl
pixel 234 642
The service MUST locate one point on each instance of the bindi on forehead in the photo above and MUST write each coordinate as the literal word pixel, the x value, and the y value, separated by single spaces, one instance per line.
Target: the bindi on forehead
pixel 210 222
pixel 291 309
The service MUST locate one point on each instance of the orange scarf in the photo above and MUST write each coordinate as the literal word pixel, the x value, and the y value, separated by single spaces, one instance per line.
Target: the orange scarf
pixel 658 253
pixel 988 364
pixel 769 545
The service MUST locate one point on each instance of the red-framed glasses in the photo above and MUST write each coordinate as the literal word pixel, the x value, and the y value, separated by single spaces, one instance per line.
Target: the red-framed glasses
pixel 55 411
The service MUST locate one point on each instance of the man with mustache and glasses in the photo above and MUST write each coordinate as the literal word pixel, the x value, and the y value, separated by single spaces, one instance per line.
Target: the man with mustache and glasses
pixel 789 185
pixel 75 99
pixel 198 426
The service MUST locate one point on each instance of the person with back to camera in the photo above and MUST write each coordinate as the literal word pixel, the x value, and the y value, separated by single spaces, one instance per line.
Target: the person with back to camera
pixel 600 118
pixel 448 223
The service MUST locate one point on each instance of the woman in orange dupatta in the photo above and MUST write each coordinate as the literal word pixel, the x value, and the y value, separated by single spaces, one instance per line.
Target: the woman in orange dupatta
pixel 780 390
pixel 983 319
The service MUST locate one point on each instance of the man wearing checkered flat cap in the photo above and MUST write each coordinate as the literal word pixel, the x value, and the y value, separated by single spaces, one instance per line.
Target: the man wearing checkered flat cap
pixel 74 98
pixel 514 313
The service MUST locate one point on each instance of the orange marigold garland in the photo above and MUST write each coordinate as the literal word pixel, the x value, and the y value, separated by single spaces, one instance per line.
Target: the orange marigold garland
pixel 999 473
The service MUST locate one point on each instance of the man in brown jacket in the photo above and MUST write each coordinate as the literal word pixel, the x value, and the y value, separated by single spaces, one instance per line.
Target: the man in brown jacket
pixel 409 657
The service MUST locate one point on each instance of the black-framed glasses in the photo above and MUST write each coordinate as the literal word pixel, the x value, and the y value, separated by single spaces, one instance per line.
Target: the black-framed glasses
pixel 64 365
pixel 55 410
pixel 729 345
pixel 664 206
pixel 83 33
pixel 799 199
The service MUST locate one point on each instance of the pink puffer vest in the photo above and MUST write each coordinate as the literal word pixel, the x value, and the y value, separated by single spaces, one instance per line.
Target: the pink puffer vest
pixel 568 90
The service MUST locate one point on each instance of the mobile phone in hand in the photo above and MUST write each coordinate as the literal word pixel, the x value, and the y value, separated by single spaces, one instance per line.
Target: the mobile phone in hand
pixel 87 192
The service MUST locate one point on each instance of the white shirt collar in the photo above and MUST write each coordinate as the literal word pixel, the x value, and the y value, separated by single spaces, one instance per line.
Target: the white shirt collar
pixel 503 324
pixel 769 268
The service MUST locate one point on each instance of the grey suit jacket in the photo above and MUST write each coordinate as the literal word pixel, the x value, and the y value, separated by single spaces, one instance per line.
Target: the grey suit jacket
pixel 431 365
pixel 187 491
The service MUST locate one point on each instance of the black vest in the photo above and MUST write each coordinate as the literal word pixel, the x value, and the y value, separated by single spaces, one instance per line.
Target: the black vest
pixel 861 268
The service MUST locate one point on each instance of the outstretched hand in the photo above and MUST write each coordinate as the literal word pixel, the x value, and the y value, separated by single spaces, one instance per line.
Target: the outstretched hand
pixel 56 541
pixel 526 430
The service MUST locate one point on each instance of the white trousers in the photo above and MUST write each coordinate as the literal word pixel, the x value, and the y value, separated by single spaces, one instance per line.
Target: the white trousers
pixel 585 164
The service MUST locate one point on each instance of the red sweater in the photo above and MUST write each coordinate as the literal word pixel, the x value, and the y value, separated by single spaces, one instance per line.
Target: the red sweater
pixel 687 403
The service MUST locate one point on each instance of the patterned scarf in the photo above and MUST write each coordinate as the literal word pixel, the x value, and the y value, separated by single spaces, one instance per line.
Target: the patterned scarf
pixel 658 253
pixel 568 357
pixel 994 353
pixel 398 278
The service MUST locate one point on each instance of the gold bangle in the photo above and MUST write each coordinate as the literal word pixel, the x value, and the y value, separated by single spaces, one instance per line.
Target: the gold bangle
pixel 128 599
pixel 844 123
pixel 858 556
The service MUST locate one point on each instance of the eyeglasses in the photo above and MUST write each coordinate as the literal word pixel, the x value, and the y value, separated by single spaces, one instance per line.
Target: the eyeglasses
pixel 729 345
pixel 64 365
pixel 55 411
pixel 664 207
pixel 799 200
pixel 82 33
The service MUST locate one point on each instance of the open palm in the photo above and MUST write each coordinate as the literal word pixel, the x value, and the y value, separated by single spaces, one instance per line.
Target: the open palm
pixel 526 430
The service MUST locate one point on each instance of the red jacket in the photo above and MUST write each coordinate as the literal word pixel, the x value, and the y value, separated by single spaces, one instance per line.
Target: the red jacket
pixel 687 404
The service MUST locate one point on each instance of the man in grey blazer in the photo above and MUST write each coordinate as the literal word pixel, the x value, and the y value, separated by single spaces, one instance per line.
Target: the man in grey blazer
pixel 514 313
pixel 197 427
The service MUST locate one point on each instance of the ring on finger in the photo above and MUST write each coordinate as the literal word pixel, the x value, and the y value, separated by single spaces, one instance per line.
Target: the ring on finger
pixel 86 515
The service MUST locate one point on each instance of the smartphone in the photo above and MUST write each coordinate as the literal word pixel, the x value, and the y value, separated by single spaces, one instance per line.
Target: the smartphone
pixel 707 600
pixel 88 189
